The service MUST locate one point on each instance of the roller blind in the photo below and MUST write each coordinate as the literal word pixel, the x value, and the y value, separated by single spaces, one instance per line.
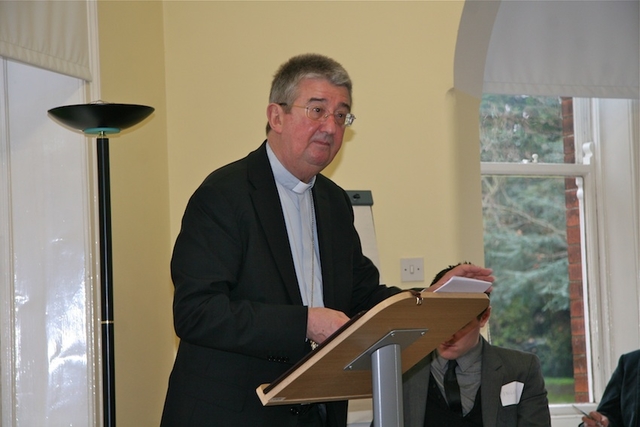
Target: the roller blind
pixel 48 34
pixel 583 48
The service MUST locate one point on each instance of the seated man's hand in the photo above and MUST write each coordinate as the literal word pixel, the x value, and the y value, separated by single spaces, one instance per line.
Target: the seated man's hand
pixel 596 420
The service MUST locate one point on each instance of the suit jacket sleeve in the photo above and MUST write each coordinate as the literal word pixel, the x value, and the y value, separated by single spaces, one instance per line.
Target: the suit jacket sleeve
pixel 621 398
pixel 235 285
pixel 228 293
pixel 533 410
pixel 610 403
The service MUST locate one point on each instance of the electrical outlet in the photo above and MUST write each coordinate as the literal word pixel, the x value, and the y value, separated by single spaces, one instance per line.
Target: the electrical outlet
pixel 412 269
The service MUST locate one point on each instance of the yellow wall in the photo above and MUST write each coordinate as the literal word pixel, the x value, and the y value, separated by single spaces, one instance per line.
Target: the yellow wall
pixel 132 71
pixel 406 145
pixel 414 143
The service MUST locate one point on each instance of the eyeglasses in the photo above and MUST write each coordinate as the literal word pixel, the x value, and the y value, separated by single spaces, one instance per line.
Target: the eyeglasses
pixel 318 112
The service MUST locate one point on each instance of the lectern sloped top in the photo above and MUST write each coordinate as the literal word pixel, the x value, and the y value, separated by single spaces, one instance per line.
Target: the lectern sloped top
pixel 329 372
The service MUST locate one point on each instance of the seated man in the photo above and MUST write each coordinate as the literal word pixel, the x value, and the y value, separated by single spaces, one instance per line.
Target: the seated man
pixel 620 404
pixel 468 382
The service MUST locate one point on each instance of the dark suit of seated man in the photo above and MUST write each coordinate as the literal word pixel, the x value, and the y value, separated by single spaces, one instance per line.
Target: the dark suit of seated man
pixel 620 404
pixel 498 387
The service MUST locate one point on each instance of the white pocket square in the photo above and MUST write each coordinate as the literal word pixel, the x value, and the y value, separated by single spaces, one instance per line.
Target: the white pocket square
pixel 511 393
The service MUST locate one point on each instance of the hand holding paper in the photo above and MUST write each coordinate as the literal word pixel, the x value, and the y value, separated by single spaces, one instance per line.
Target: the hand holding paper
pixel 462 270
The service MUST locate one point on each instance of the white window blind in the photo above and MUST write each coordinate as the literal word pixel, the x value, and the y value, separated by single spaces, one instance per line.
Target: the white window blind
pixel 581 48
pixel 52 35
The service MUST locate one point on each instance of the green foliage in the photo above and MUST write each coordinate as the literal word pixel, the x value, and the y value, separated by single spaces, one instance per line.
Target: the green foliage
pixel 525 231
pixel 560 390
pixel 513 128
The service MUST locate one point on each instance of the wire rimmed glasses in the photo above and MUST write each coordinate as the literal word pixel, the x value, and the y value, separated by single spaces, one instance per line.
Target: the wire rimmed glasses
pixel 318 112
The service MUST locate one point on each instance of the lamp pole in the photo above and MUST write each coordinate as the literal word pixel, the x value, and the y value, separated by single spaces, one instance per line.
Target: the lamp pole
pixel 106 282
pixel 102 119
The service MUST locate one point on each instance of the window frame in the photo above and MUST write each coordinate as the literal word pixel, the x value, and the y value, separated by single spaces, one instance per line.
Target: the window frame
pixel 605 131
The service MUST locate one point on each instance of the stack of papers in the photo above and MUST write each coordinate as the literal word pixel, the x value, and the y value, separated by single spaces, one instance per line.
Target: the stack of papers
pixel 464 284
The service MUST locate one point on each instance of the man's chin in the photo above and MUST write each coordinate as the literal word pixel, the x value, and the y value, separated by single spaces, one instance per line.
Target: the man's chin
pixel 448 352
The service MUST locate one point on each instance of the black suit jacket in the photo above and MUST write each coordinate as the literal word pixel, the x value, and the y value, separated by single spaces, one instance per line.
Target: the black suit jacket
pixel 237 305
pixel 621 399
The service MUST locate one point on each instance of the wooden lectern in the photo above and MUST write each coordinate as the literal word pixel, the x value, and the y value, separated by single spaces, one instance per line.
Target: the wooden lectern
pixel 366 358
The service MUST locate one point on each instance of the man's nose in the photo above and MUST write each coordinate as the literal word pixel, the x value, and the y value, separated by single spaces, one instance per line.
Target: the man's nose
pixel 329 124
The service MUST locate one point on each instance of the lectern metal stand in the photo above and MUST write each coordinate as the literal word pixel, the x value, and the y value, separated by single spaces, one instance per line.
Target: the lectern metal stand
pixel 384 359
pixel 386 372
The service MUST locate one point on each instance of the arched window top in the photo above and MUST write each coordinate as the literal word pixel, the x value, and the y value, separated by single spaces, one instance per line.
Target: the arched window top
pixel 581 48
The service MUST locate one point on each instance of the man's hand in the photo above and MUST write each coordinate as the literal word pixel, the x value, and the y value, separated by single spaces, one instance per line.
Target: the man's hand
pixel 322 322
pixel 595 419
pixel 465 270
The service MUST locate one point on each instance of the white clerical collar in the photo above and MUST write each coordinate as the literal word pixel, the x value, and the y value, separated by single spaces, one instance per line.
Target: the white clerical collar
pixel 286 178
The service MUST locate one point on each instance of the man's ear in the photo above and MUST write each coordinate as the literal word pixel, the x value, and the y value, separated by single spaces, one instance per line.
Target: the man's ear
pixel 274 116
pixel 485 317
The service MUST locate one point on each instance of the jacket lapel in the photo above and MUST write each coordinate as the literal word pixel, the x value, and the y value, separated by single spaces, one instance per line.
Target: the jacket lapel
pixel 492 380
pixel 322 206
pixel 266 202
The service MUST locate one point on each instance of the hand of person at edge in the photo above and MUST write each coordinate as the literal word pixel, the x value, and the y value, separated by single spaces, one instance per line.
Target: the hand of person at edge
pixel 595 419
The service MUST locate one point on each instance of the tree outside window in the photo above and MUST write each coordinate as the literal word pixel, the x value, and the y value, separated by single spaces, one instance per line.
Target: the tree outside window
pixel 532 235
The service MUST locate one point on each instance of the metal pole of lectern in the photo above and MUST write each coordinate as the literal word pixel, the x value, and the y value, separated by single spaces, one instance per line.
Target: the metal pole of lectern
pixel 386 372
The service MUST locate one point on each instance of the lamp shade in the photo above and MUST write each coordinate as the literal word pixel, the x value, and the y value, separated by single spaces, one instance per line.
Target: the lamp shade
pixel 101 117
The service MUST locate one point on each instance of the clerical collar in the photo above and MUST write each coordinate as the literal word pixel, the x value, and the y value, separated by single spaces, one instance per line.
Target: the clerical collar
pixel 286 178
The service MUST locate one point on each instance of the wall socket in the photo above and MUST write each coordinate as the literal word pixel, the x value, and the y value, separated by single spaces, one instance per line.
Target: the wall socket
pixel 412 269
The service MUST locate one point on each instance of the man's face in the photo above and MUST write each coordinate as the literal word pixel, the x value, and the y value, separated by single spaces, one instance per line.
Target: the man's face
pixel 308 146
pixel 465 339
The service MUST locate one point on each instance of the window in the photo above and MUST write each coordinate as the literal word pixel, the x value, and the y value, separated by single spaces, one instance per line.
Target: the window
pixel 46 291
pixel 528 213
pixel 547 176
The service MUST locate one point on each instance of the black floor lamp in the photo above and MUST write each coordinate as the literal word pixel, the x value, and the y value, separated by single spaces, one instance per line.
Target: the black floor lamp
pixel 102 119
